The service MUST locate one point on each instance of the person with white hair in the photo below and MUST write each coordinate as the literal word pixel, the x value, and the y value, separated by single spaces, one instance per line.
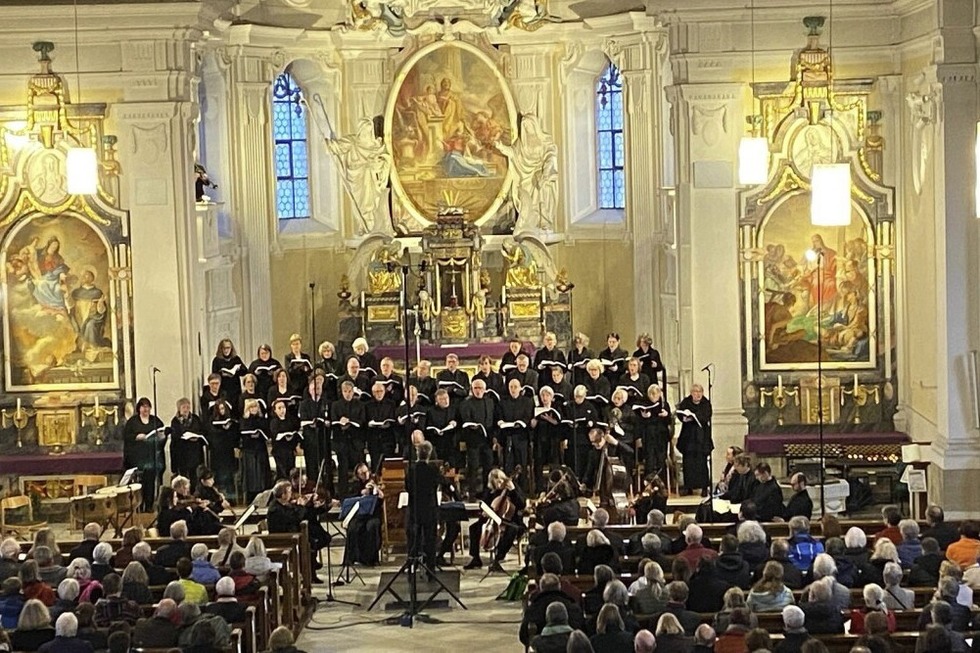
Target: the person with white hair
pixel 825 567
pixel 102 560
pixel 90 537
pixel 157 631
pixel 549 586
pixel 910 547
pixel 704 639
pixel 644 642
pixel 155 574
pixel 66 638
pixel 654 526
pixel 597 551
pixel 822 611
pixel 67 599
pixel 90 590
pixel 556 544
pixel 202 570
pixel 896 597
pixel 752 543
pixel 884 552
pixel 9 563
pixel 695 550
pixel 168 554
pixel 874 601
pixel 225 604
pixel 794 630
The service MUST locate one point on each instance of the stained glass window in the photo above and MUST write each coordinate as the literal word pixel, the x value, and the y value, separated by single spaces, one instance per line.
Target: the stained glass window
pixel 291 150
pixel 609 139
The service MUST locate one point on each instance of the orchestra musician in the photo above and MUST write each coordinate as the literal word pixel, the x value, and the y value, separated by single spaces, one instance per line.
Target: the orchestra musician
pixel 527 377
pixel 366 361
pixel 579 418
pixel 598 389
pixel 332 367
pixel 622 424
pixel 513 419
pixel 422 481
pixel 549 433
pixel 167 510
pixel 314 412
pixel 311 495
pixel 476 428
pixel 262 367
pixel 548 358
pixel 449 487
pixel 201 518
pixel 381 422
pixel 286 513
pixel 394 387
pixel 208 491
pixel 613 359
pixel 285 435
pixel 653 496
pixel 653 424
pixel 364 531
pixel 603 446
pixel 347 422
pixel 729 471
pixel 256 472
pixel 560 502
pixel 299 365
pixel 423 381
pixel 143 442
pixel 496 385
pixel 454 380
pixel 186 453
pixel 497 484
pixel 441 423
pixel 228 365
pixel 578 357
pixel 694 441
pixel 224 436
pixel 650 363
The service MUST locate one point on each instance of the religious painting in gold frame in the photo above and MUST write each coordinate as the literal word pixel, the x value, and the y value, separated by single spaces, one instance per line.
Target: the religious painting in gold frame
pixel 447 108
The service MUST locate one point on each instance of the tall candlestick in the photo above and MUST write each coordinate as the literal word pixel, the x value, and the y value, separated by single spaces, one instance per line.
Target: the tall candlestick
pixel 855 380
pixel 96 403
pixel 779 379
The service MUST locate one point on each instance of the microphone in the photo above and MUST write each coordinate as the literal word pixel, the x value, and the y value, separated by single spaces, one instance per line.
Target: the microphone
pixel 155 369
pixel 707 367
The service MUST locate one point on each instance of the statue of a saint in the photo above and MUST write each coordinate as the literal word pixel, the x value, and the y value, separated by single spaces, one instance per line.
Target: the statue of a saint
pixel 522 270
pixel 365 166
pixel 534 160
pixel 478 305
pixel 426 312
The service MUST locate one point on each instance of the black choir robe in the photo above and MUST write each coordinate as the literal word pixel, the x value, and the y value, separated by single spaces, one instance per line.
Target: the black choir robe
pixel 368 362
pixel 262 370
pixel 411 418
pixel 618 359
pixel 394 387
pixel 563 390
pixel 333 369
pixel 457 384
pixel 231 370
pixel 224 436
pixel 598 393
pixel 256 471
pixel 528 379
pixel 362 385
pixel 382 429
pixel 186 455
pixel 508 362
pixel 426 387
pixel 547 435
pixel 695 442
pixel 768 500
pixel 479 412
pixel 577 361
pixel 653 430
pixel 636 389
pixel 437 429
pixel 514 410
pixel 261 399
pixel 496 385
pixel 287 396
pixel 147 454
pixel 299 369
pixel 348 440
pixel 209 400
pixel 314 418
pixel 652 366
pixel 545 359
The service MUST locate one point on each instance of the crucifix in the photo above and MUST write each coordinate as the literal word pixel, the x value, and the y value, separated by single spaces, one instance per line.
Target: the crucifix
pixel 453 273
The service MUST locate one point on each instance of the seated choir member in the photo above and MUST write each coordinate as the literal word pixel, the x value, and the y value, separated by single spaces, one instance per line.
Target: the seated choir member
pixel 287 512
pixel 653 426
pixel 578 357
pixel 263 367
pixel 187 442
pixel 422 379
pixel 497 484
pixel 347 422
pixel 143 441
pixel 285 435
pixel 364 532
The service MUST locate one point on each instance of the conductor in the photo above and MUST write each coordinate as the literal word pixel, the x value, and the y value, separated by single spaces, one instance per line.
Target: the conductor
pixel 423 508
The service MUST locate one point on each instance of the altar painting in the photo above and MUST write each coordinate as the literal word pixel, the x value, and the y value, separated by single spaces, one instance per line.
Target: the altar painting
pixel 59 324
pixel 794 291
pixel 448 108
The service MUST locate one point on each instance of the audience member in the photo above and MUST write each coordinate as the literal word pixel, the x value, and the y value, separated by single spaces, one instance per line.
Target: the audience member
pixel 770 594
pixel 597 551
pixel 733 598
pixel 191 619
pixel 671 636
pixel 45 537
pixel 33 627
pixel 822 611
pixel 695 550
pixel 654 526
pixel 225 604
pixel 925 568
pixel 610 636
pixel 897 598
pixel 803 548
pixel 679 543
pixel 89 590
pixel 578 642
pixel 119 642
pixel 944 534
pixel 202 570
pixel 257 561
pixel 157 631
pixel 227 544
pixel 90 539
pixel 732 640
pixel 884 552
pixel 203 638
pixel 704 639
pixel 847 573
pixel 101 561
pixel 966 550
pixel 752 543
pixel 51 573
pixel 652 597
pixel 281 641
pixel 731 566
pixel 758 639
pixel 114 606
pixel 677 594
pixel 131 537
pixel 136 584
pixel 874 601
pixel 942 615
pixel 794 630
pixel 86 630
pixel 32 587
pixel 536 611
pixel 825 567
pixel 935 639
pixel 178 547
pixel 11 602
pixel 67 598
pixel 706 588
pixel 910 547
pixel 556 544
pixel 553 638
pixel 949 569
pixel 779 553
pixel 960 615
pixel 616 594
pixel 246 585
pixel 9 558
pixel 174 591
pixel 644 642
pixel 156 574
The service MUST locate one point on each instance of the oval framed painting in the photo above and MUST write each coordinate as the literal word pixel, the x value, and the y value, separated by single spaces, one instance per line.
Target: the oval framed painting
pixel 448 106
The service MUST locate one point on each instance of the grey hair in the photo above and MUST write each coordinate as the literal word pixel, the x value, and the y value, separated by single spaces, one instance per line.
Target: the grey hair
pixel 822 590
pixel 892 574
pixel 43 555
pixel 616 593
pixel 189 612
pixel 855 538
pixel 874 596
pixel 799 524
pixel 693 534
pixel 68 589
pixel 142 551
pixel 793 617
pixel 175 591
pixel 79 569
pixel 704 635
pixel 751 531
pixel 165 608
pixel 651 543
pixel 556 613
pixel 948 589
pixel 655 518
pixel 909 528
pixel 199 551
pixel 596 538
pixel 600 518
pixel 102 552
pixel 9 548
pixel 824 566
pixel 556 531
pixel 92 531
pixel 66 625
pixel 225 586
pixel 178 529
pixel 885 550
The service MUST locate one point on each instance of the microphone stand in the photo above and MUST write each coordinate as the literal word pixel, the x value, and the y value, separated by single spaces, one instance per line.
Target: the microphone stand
pixel 154 370
pixel 313 313
pixel 709 368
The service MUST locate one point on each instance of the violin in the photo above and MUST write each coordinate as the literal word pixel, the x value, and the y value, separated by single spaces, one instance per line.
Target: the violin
pixel 504 508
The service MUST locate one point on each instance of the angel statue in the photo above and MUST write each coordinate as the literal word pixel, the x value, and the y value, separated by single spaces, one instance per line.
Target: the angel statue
pixel 385 275
pixel 522 270
pixel 365 165
pixel 534 160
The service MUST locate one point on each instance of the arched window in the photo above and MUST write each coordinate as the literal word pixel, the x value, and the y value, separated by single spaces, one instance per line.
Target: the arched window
pixel 611 186
pixel 289 133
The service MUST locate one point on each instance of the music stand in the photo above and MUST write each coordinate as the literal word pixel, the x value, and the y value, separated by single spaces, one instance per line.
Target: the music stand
pixel 347 570
pixel 330 597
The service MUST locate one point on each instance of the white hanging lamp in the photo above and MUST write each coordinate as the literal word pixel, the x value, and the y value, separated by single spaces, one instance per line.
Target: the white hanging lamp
pixel 753 150
pixel 81 163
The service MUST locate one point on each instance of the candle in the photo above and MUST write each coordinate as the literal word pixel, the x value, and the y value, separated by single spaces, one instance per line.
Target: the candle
pixel 543 297
pixel 503 294
pixel 855 381
pixel 362 300
pixel 779 380
pixel 18 404
pixel 96 403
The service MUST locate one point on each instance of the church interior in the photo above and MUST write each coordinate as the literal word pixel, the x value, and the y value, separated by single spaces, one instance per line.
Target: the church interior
pixel 598 263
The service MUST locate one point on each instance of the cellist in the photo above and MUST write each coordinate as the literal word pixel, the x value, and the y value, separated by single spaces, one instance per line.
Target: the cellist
pixel 497 484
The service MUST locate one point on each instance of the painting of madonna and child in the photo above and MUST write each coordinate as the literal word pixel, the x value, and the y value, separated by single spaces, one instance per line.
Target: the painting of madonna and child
pixel 797 289
pixel 59 327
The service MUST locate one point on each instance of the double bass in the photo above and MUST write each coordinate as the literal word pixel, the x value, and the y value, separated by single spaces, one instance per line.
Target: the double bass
pixel 504 508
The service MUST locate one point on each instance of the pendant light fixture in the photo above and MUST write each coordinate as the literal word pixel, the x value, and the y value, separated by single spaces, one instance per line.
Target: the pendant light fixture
pixel 753 150
pixel 830 183
pixel 81 163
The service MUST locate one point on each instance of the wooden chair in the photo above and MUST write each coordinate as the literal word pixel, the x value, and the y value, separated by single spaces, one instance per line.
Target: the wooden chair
pixel 20 528
pixel 87 483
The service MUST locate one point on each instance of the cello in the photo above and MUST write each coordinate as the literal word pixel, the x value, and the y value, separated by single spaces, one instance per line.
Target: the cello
pixel 504 508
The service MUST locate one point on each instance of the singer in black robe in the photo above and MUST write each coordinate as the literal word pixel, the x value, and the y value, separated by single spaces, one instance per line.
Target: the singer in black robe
pixel 441 428
pixel 333 369
pixel 653 422
pixel 634 382
pixel 508 362
pixel 147 454
pixel 186 455
pixel 224 436
pixel 299 365
pixel 211 394
pixel 558 382
pixel 694 441
pixel 549 432
pixel 256 471
pixel 313 420
pixel 366 361
pixel 347 435
pixel 229 365
pixel 616 359
pixel 496 384
pixel 548 358
pixel 281 391
pixel 579 418
pixel 263 367
pixel 394 386
pixel 358 377
pixel 454 380
pixel 476 428
pixel 411 416
pixel 286 425
pixel 650 361
pixel 513 419
pixel 381 426
pixel 597 390
pixel 578 356
pixel 527 377
pixel 426 385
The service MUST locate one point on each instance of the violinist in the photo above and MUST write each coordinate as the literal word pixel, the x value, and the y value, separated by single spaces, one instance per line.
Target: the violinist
pixel 499 486
pixel 549 432
pixel 195 512
pixel 364 532
pixel 653 424
pixel 653 496
pixel 186 440
pixel 560 502
pixel 167 511
pixel 423 381
pixel 255 450
pixel 207 491
pixel 286 514
pixel 579 418
pixel 422 481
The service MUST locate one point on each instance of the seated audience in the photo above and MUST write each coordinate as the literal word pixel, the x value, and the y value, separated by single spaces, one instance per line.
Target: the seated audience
pixel 910 547
pixel 227 544
pixel 90 539
pixel 671 636
pixel 178 547
pixel 136 584
pixel 45 537
pixel 758 639
pixel 191 619
pixel 734 598
pixel 203 571
pixel 779 553
pixel 67 598
pixel 896 597
pixel 257 561
pixel 695 550
pixel 101 561
pixel 156 574
pixel 535 613
pixel 803 549
pixel 551 564
pixel 884 552
pixel 677 594
pixel 825 567
pixel 11 602
pixel 202 638
pixel 770 594
pixel 949 569
pixel 50 572
pixel 33 627
pixel 794 631
pixel 944 534
pixel 966 550
pixel 731 566
pixel 225 604
pixel 876 635
pixel 86 630
pixel 960 615
pixel 644 642
pixel 114 607
pixel 597 551
pixel 732 640
pixel 654 526
pixel 752 543
pixel 89 589
pixel 131 537
pixel 706 587
pixel 874 601
pixel 652 597
pixel 891 516
pixel 246 585
pixel 157 631
pixel 281 641
pixel 704 639
pixel 679 543
pixel 652 547
pixel 556 544
pixel 600 522
pixel 174 591
pixel 32 587
pixel 610 636
pixel 119 641
pixel 821 609
pixel 616 594
pixel 66 639
pixel 578 642
pixel 925 568
pixel 9 558
pixel 592 598
pixel 935 639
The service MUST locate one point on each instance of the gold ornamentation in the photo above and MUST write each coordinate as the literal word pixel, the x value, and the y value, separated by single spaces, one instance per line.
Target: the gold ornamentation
pixel 525 310
pixel 56 428
pixel 384 314
pixel 385 276
pixel 455 323
pixel 522 270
